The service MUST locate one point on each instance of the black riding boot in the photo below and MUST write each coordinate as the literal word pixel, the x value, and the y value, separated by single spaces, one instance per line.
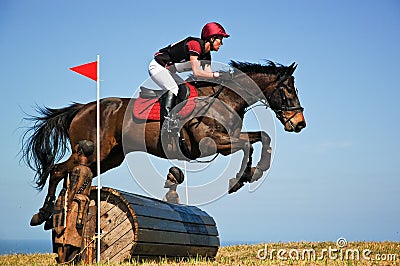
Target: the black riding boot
pixel 168 119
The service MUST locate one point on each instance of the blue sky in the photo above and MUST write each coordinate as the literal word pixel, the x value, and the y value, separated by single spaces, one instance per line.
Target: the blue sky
pixel 339 177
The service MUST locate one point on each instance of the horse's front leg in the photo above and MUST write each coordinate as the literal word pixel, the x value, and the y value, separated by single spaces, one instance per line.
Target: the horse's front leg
pixel 245 169
pixel 228 145
pixel 266 153
pixel 248 173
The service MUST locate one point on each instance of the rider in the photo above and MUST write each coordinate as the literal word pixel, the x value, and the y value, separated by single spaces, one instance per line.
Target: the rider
pixel 171 59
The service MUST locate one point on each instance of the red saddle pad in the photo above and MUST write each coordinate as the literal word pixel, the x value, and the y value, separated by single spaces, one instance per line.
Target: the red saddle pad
pixel 149 109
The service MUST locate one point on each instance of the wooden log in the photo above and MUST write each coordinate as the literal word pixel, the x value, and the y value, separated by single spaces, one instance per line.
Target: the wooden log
pixel 135 226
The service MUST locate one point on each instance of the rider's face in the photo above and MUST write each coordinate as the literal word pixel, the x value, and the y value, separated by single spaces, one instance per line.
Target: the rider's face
pixel 217 43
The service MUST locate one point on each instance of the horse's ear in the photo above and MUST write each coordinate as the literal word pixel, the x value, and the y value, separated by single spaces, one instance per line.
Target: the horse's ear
pixel 292 68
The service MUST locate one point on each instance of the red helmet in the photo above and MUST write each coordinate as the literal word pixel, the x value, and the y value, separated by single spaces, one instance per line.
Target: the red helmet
pixel 211 29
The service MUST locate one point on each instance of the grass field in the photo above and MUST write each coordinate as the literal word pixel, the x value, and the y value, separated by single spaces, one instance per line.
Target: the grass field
pixel 294 253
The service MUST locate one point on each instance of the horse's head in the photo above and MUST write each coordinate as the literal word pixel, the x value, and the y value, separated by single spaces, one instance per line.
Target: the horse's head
pixel 278 88
pixel 284 101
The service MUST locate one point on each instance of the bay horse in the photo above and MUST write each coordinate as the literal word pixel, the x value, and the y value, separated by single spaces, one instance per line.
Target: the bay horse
pixel 217 118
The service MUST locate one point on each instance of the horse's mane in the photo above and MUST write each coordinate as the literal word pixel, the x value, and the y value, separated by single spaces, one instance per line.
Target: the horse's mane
pixel 269 68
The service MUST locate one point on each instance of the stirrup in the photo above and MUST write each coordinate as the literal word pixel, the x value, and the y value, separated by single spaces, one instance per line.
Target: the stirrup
pixel 171 124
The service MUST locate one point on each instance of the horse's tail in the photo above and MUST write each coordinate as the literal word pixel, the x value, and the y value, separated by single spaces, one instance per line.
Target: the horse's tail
pixel 47 140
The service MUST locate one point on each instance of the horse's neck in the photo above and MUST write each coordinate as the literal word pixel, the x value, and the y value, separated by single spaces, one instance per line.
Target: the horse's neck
pixel 254 87
pixel 244 91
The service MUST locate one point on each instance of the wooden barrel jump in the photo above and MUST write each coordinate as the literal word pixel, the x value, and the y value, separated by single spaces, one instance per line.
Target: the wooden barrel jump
pixel 135 226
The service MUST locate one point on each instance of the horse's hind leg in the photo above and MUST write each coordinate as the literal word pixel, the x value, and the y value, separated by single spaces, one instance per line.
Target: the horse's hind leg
pixel 58 173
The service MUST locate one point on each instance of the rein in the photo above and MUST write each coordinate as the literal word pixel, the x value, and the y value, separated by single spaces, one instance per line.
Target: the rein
pixel 214 96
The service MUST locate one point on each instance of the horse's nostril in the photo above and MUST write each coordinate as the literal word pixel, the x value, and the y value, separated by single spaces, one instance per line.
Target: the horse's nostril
pixel 300 126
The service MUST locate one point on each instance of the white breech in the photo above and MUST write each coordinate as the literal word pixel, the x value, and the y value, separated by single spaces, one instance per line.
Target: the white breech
pixel 162 77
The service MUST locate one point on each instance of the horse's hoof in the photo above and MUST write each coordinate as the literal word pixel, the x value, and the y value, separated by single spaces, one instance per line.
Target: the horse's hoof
pixel 42 216
pixel 36 220
pixel 48 224
pixel 257 174
pixel 45 212
pixel 234 185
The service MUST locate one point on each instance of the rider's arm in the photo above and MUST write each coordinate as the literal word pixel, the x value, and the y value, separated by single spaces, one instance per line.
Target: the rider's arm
pixel 199 72
pixel 207 68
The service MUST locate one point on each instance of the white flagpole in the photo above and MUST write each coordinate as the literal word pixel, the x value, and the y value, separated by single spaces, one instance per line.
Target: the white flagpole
pixel 187 193
pixel 98 158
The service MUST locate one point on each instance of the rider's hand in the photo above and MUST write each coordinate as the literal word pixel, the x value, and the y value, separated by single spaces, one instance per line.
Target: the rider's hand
pixel 225 76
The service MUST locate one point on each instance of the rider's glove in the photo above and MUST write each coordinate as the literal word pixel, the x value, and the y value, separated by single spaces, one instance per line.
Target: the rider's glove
pixel 225 76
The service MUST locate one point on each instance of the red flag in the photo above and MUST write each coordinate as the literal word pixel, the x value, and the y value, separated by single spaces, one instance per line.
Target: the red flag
pixel 88 70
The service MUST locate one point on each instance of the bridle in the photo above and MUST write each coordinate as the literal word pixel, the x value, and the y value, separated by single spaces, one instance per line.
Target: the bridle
pixel 284 101
pixel 284 104
pixel 264 102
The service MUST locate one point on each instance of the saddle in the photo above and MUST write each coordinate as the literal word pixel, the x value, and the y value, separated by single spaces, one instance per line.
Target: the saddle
pixel 147 106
